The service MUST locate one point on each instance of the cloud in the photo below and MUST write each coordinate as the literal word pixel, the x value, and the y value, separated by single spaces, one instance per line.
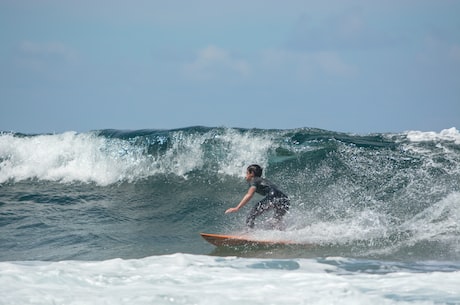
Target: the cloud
pixel 345 31
pixel 436 50
pixel 214 63
pixel 306 65
pixel 40 55
pixel 55 50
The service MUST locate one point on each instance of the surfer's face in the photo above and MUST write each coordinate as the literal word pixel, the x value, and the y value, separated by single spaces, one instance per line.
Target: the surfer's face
pixel 249 176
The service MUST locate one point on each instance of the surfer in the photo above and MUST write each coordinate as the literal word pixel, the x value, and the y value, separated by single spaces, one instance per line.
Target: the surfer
pixel 274 198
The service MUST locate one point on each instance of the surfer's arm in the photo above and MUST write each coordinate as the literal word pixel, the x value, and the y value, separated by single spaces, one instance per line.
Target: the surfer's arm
pixel 243 201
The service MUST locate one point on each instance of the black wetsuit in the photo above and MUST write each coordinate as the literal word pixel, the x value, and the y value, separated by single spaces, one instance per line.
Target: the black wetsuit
pixel 274 199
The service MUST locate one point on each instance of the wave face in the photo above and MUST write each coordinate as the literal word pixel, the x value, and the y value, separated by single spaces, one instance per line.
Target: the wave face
pixel 377 195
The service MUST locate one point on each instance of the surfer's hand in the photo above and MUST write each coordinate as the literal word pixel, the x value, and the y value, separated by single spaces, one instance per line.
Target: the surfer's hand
pixel 231 210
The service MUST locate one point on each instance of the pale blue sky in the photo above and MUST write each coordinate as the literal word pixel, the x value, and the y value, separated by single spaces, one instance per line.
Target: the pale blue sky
pixel 351 66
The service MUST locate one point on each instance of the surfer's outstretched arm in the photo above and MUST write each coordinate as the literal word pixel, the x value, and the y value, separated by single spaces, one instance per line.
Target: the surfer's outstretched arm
pixel 243 201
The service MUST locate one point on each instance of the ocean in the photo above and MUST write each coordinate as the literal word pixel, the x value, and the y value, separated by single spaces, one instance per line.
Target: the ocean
pixel 114 216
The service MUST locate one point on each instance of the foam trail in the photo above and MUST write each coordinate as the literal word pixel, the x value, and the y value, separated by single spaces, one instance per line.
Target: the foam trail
pixel 191 279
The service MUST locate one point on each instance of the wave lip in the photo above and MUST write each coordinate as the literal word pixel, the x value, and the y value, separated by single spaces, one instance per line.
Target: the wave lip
pixel 107 157
pixel 111 156
pixel 451 135
pixel 66 157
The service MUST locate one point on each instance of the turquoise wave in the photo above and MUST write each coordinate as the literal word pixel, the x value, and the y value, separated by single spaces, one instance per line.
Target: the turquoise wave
pixel 114 193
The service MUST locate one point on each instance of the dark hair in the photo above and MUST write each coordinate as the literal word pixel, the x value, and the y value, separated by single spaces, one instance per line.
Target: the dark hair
pixel 255 169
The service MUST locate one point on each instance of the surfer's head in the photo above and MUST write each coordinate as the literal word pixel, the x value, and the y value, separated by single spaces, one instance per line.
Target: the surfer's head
pixel 255 169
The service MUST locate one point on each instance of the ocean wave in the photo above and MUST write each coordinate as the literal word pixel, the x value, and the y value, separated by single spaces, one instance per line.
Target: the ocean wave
pixel 111 156
pixel 359 195
pixel 451 135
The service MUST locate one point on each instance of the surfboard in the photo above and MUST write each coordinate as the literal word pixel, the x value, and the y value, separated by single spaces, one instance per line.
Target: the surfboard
pixel 221 240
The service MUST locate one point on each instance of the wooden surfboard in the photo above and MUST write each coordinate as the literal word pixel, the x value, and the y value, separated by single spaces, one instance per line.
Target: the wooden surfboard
pixel 240 241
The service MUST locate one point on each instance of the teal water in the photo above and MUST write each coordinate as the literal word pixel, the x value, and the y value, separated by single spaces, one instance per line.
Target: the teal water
pixel 133 194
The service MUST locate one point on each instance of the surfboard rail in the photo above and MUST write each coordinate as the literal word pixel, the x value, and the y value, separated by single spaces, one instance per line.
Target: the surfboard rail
pixel 224 240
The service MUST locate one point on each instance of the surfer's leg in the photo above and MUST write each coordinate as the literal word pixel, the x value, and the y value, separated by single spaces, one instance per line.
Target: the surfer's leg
pixel 258 209
pixel 281 206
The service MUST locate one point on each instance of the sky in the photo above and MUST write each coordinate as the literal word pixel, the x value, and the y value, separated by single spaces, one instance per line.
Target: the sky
pixel 357 66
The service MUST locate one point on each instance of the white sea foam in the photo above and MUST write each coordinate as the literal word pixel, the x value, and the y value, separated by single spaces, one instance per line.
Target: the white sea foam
pixel 243 150
pixel 451 134
pixel 192 279
pixel 68 157
pixel 438 222
pixel 360 225
pixel 87 157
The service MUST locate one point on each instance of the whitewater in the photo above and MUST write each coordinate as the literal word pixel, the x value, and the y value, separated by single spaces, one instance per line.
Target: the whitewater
pixel 114 216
